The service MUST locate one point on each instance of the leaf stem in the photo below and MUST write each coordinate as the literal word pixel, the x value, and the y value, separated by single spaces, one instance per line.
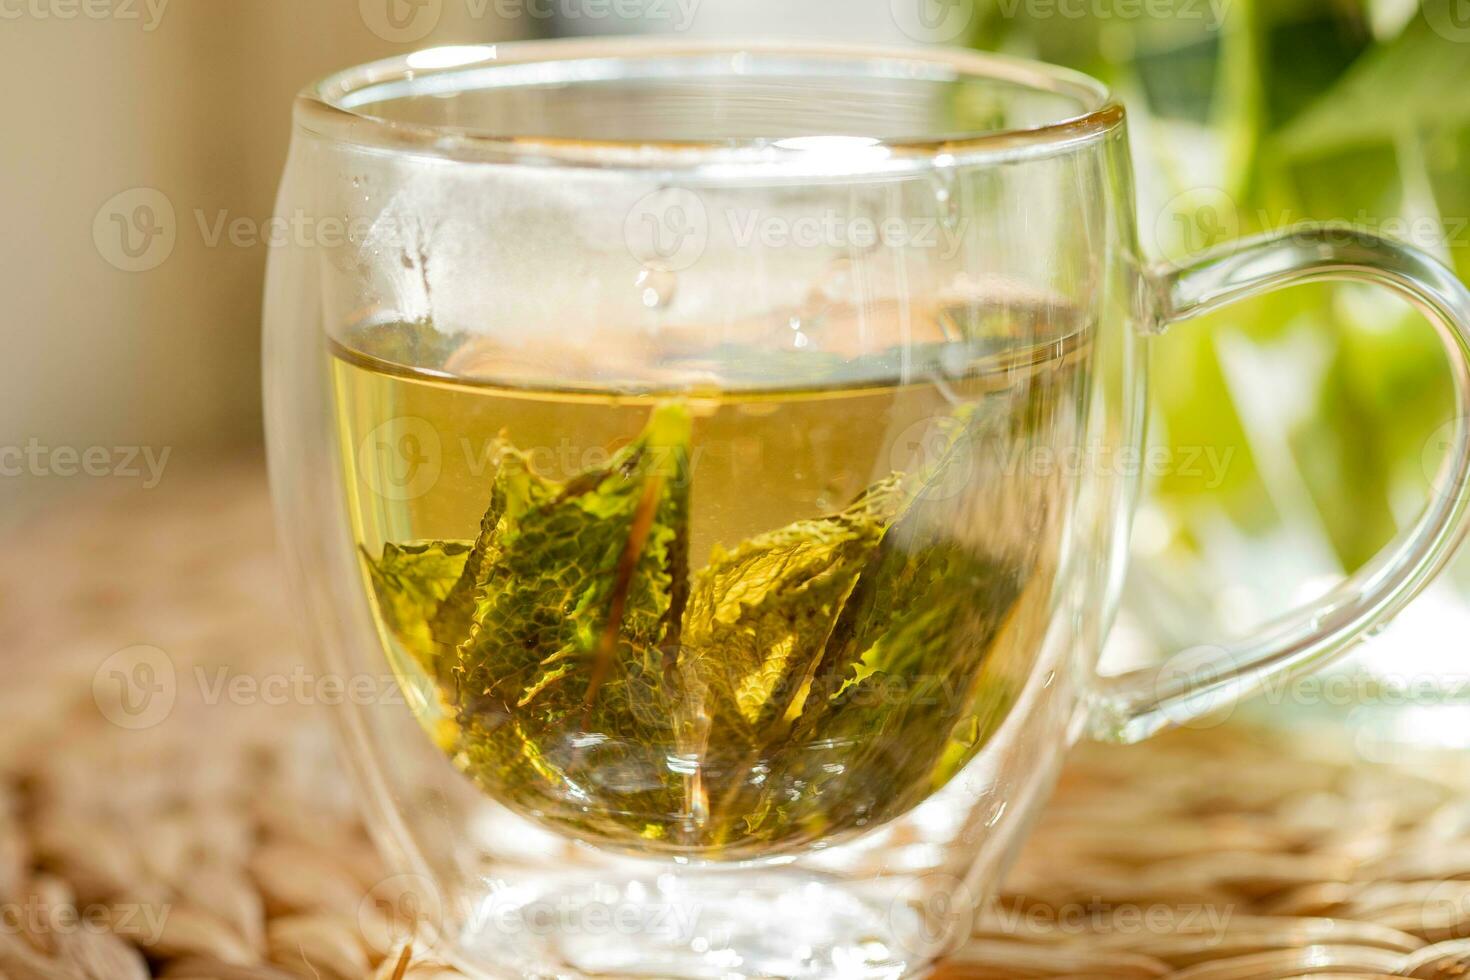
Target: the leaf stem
pixel 627 565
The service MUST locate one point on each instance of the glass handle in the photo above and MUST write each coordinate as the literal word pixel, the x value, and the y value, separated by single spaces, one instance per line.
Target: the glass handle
pixel 1195 681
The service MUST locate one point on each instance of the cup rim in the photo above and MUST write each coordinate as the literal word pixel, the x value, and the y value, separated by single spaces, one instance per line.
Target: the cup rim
pixel 329 108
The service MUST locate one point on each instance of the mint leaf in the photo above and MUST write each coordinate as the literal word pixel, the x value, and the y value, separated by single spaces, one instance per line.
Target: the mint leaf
pixel 902 698
pixel 819 677
pixel 759 616
pixel 410 583
pixel 563 695
pixel 757 622
pixel 914 702
pixel 516 489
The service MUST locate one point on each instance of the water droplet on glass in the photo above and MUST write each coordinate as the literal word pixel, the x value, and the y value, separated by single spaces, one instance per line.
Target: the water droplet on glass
pixel 655 287
pixel 947 196
pixel 796 323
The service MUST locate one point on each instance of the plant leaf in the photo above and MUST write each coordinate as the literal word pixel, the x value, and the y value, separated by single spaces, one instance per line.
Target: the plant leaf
pixel 411 582
pixel 1405 86
pixel 516 488
pixel 757 622
pixel 817 677
pixel 915 697
pixel 563 666
pixel 903 675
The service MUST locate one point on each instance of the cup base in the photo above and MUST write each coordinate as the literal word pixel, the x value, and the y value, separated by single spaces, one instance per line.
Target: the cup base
pixel 696 925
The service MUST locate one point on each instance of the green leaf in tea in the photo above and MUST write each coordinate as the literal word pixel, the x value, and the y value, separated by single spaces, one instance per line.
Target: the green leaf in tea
pixel 914 701
pixel 902 687
pixel 757 622
pixel 821 676
pixel 516 489
pixel 562 682
pixel 410 583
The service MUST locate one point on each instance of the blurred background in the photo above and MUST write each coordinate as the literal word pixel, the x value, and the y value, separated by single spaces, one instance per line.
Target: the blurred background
pixel 145 139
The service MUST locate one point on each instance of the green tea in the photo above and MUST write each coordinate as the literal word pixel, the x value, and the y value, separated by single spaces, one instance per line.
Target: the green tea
pixel 713 622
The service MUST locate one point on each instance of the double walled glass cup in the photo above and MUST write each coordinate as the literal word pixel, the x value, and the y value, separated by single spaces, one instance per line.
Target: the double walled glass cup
pixel 728 453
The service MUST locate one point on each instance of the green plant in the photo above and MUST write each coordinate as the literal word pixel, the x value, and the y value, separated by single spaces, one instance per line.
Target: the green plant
pixel 1273 114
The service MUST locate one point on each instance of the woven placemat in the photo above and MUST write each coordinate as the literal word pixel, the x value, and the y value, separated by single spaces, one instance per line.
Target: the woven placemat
pixel 206 831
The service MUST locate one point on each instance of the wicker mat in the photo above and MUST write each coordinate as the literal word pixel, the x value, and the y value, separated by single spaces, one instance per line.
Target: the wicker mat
pixel 208 832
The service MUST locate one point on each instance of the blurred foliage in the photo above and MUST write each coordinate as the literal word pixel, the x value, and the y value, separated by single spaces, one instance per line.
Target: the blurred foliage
pixel 1251 116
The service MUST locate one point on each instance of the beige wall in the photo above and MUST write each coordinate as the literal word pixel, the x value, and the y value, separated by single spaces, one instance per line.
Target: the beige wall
pixel 191 99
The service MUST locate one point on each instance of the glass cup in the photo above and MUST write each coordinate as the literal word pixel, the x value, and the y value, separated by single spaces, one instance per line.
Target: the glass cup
pixel 726 454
